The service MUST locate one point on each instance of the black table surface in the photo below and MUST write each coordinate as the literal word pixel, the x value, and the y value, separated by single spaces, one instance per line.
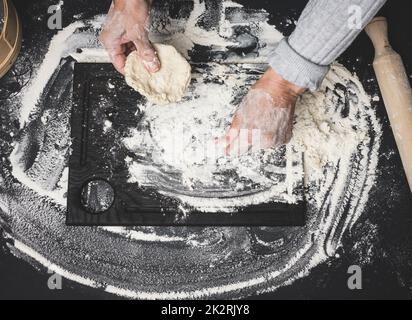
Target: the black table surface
pixel 388 271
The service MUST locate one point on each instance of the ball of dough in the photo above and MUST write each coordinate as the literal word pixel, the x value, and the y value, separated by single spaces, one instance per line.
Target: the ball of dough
pixel 164 86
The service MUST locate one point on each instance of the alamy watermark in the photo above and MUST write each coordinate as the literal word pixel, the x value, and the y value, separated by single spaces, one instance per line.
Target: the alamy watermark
pixel 355 278
pixel 55 281
pixel 55 21
pixel 355 17
pixel 206 147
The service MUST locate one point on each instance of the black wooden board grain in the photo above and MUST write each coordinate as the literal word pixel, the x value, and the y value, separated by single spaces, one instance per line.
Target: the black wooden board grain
pixel 101 94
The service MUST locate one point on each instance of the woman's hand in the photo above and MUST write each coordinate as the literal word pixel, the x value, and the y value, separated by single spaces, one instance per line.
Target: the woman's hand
pixel 126 29
pixel 264 118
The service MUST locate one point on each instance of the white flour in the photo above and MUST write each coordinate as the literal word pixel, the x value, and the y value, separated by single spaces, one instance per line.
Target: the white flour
pixel 337 131
pixel 181 137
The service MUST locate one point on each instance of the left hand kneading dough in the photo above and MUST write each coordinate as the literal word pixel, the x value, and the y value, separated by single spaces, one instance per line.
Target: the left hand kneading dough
pixel 164 86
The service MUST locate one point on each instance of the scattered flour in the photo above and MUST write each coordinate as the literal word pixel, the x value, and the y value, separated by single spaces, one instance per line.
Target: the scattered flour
pixel 337 131
pixel 181 138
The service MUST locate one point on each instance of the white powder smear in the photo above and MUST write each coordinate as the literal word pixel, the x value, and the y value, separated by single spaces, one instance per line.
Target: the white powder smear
pixel 180 138
pixel 177 137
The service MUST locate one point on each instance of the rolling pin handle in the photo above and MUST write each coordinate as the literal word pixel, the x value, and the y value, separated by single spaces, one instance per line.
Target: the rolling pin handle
pixel 377 31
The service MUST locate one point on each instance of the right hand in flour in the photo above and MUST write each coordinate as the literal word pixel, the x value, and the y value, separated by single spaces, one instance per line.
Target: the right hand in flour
pixel 264 118
pixel 126 29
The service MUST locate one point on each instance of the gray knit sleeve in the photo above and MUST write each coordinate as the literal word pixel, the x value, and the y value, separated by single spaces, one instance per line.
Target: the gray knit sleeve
pixel 324 30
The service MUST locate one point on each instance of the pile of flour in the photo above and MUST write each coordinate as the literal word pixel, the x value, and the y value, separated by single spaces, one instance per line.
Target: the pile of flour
pixel 180 137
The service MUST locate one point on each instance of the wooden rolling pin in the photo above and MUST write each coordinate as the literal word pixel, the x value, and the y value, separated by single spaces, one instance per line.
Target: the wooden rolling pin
pixel 395 88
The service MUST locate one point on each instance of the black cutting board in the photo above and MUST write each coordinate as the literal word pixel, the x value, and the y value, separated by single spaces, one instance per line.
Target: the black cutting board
pixel 97 165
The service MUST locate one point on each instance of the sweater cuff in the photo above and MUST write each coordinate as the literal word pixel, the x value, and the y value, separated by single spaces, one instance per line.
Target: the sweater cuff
pixel 294 68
